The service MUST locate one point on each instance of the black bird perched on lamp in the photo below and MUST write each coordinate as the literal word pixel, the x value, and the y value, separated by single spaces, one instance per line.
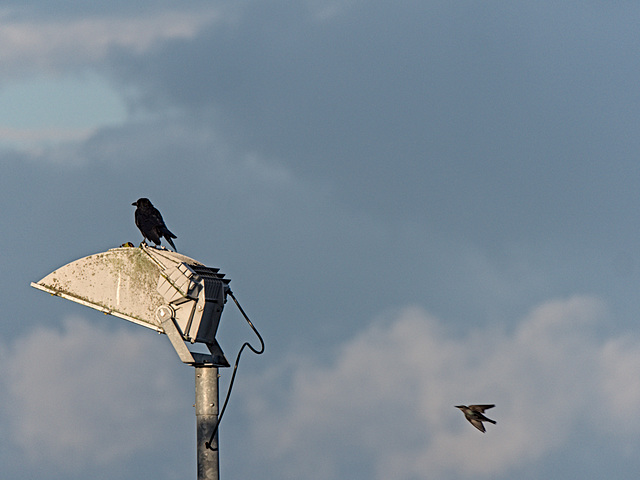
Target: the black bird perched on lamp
pixel 474 413
pixel 150 222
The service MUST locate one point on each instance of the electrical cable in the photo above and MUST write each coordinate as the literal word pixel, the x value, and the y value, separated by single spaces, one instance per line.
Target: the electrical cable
pixel 235 366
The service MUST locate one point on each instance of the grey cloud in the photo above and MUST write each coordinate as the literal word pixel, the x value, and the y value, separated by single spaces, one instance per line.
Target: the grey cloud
pixel 56 9
pixel 399 106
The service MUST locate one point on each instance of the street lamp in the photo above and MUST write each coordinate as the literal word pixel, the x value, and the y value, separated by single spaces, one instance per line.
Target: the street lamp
pixel 172 294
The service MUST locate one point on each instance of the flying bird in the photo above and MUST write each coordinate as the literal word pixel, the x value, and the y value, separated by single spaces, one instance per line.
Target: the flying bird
pixel 150 222
pixel 474 413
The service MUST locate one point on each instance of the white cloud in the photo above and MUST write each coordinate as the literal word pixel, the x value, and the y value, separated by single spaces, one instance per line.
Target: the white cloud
pixel 385 405
pixel 619 359
pixel 85 396
pixel 48 44
pixel 32 139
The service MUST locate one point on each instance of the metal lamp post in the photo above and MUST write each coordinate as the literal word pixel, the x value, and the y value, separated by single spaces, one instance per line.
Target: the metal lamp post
pixel 167 292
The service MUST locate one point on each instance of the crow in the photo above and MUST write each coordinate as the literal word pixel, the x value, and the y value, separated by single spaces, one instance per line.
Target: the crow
pixel 150 222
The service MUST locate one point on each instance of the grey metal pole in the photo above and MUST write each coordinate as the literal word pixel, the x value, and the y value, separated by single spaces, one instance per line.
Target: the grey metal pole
pixel 206 418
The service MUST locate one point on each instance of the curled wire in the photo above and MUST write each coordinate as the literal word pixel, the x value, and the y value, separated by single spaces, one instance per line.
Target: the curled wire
pixel 259 351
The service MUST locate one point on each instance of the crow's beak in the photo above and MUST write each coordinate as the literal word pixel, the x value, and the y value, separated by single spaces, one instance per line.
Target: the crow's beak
pixel 135 204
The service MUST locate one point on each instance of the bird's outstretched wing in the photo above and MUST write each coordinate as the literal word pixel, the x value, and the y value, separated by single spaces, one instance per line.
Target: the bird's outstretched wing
pixel 478 424
pixel 480 408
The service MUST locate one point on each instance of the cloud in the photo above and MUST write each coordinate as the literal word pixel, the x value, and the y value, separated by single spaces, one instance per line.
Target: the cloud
pixel 383 408
pixel 12 136
pixel 53 43
pixel 399 106
pixel 83 396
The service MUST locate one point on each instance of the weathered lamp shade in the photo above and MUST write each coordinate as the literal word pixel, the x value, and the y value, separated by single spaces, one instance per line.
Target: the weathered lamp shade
pixel 153 287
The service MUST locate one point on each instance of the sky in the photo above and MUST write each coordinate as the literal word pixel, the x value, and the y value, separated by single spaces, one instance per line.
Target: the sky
pixel 419 205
